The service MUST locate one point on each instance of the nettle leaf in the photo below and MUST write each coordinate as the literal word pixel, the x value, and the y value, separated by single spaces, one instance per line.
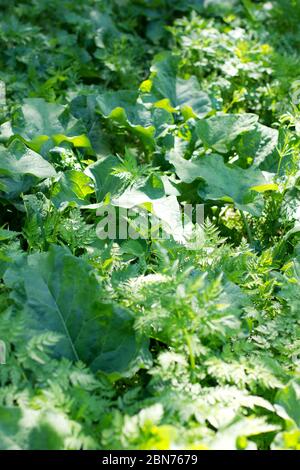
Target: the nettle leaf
pixel 219 132
pixel 226 182
pixel 60 293
pixel 38 121
pixel 171 92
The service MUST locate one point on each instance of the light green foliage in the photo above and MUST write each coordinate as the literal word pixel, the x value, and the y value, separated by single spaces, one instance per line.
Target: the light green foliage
pixel 187 339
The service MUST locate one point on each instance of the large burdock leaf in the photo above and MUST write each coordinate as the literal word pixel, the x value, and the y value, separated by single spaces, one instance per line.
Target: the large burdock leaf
pixel 150 197
pixel 60 293
pixel 225 182
pixel 291 204
pixel 147 195
pixel 101 173
pixel 260 147
pixel 172 92
pixel 73 186
pixel 140 192
pixel 38 121
pixel 20 167
pixel 219 132
pixel 19 160
pixel 123 108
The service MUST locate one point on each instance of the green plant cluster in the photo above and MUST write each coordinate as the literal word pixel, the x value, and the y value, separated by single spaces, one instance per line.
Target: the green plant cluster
pixel 190 340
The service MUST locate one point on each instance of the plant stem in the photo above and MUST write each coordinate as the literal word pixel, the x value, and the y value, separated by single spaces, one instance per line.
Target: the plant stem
pixel 190 348
pixel 248 230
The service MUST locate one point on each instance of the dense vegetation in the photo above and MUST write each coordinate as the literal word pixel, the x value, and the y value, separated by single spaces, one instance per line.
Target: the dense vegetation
pixel 178 340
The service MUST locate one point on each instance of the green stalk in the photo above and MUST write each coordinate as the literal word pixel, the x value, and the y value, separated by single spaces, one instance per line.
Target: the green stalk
pixel 248 230
pixel 190 348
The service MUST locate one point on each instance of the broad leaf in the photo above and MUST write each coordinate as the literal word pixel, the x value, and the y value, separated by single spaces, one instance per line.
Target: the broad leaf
pixel 219 132
pixel 227 438
pixel 18 160
pixel 105 181
pixel 60 293
pixel 291 286
pixel 150 195
pixel 141 192
pixel 72 186
pixel 289 399
pixel 37 121
pixel 223 182
pixel 20 168
pixel 123 108
pixel 259 146
pixel 170 91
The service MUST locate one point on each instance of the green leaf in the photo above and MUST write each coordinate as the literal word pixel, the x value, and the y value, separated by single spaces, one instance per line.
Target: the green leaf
pixel 141 192
pixel 227 438
pixel 290 288
pixel 170 91
pixel 19 160
pixel 219 132
pixel 72 186
pixel 289 399
pixel 60 293
pixel 105 181
pixel 7 234
pixel 262 188
pixel 260 147
pixel 291 204
pixel 123 108
pixel 150 195
pixel 225 182
pixel 37 121
pixel 20 167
